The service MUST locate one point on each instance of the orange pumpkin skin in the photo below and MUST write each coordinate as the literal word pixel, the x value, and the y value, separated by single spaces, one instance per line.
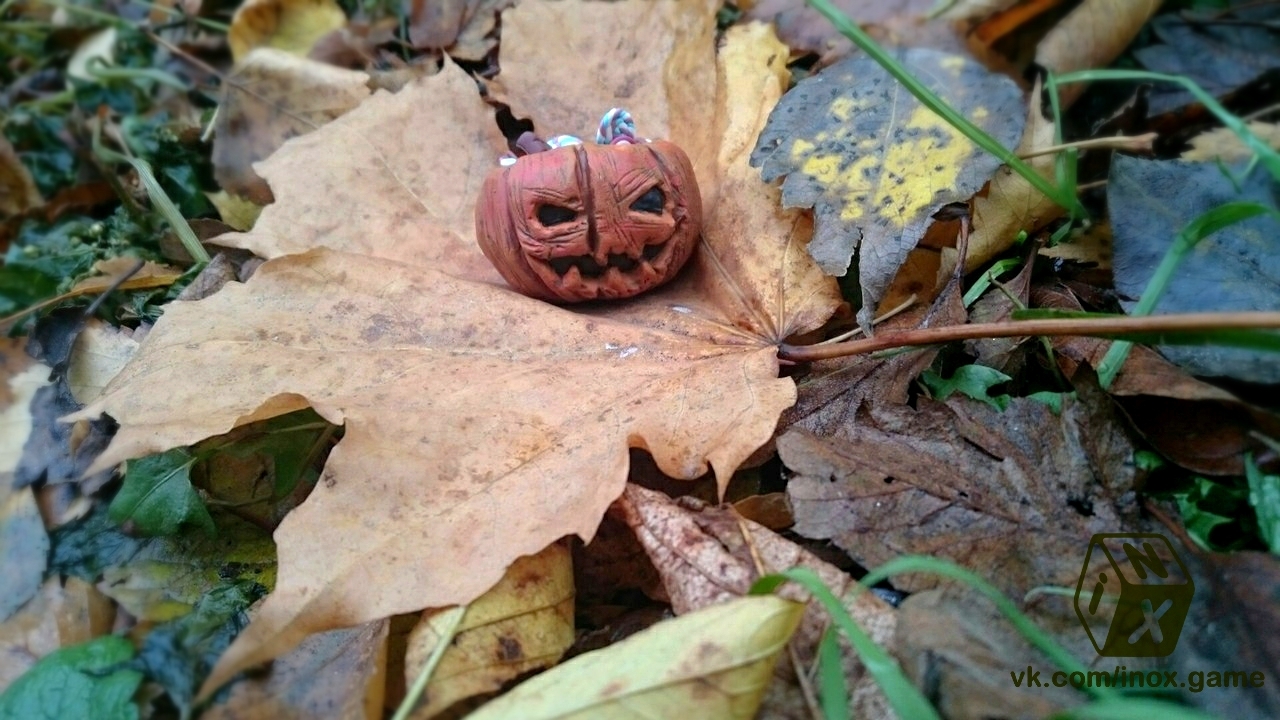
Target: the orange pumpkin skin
pixel 587 222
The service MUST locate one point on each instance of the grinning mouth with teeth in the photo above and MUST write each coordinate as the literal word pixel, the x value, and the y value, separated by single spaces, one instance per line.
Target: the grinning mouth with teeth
pixel 589 268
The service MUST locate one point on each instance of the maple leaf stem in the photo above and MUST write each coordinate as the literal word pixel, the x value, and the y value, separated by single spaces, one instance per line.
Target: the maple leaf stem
pixel 1103 327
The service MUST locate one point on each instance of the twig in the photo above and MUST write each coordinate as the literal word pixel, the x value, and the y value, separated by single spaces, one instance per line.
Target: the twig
pixel 1019 328
pixel 1132 143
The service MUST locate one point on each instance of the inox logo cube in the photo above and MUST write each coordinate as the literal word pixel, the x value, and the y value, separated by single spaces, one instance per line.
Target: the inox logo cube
pixel 1133 595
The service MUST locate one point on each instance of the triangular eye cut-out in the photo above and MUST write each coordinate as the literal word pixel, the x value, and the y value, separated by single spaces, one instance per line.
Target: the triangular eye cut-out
pixel 651 202
pixel 550 215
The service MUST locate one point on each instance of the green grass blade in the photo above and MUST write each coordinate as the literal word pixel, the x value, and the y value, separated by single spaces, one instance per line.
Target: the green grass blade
pixel 902 694
pixel 832 688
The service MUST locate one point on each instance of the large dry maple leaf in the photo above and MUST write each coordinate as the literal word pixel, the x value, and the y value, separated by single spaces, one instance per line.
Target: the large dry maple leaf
pixel 482 425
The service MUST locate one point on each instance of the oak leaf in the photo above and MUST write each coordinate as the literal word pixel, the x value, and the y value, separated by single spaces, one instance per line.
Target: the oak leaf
pixel 481 425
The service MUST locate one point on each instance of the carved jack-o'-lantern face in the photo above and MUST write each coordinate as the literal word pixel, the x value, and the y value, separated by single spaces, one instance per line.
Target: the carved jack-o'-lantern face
pixel 583 222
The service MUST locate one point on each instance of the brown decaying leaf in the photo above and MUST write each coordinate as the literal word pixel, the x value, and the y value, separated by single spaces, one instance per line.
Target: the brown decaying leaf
pixel 271 97
pixel 957 646
pixel 995 306
pixel 1091 36
pixel 522 624
pixel 18 192
pixel 293 26
pixel 1199 426
pixel 1233 624
pixel 480 423
pixel 707 555
pixel 465 28
pixel 337 674
pixel 1013 495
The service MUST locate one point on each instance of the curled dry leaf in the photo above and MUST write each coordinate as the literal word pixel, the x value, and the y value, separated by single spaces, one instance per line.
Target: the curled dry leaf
pixel 522 624
pixel 714 663
pixel 271 97
pixel 707 555
pixel 480 423
pixel 23 377
pixel 293 26
pixel 1091 36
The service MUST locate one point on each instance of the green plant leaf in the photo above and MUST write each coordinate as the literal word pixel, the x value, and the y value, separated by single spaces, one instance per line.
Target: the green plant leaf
pixel 974 381
pixel 832 687
pixel 158 497
pixel 1264 496
pixel 81 681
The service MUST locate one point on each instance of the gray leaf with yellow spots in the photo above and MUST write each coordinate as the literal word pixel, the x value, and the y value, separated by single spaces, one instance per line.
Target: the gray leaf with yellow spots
pixel 875 164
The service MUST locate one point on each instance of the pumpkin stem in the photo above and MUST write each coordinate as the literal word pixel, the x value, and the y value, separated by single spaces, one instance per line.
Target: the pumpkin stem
pixel 528 144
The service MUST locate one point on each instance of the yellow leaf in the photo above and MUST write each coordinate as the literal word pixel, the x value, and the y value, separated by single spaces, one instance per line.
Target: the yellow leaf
pixel 712 664
pixel 875 164
pixel 290 25
pixel 524 623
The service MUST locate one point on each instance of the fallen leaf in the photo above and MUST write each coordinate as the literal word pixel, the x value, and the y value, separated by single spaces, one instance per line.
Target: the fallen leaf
pixel 667 82
pixel 159 579
pixel 24 551
pixel 1199 426
pixel 1091 246
pixel 64 612
pixel 1218 56
pixel 714 663
pixel 109 272
pixel 1232 269
pixel 707 555
pixel 1012 494
pixel 18 192
pixel 238 212
pixel 1231 625
pixel 99 352
pixel 805 30
pixel 271 97
pixel 401 349
pixel 465 28
pixel 293 26
pixel 23 378
pixel 522 624
pixel 996 306
pixel 57 451
pixel 955 643
pixel 92 677
pixel 1223 144
pixel 335 674
pixel 875 164
pixel 1091 36
pixel 1011 203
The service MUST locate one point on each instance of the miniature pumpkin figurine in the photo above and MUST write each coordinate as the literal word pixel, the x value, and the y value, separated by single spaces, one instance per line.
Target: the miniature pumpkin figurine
pixel 586 221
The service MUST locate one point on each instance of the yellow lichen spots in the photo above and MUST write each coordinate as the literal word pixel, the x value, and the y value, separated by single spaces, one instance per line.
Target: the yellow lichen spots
pixel 823 168
pixel 842 108
pixel 979 114
pixel 800 148
pixel 857 187
pixel 927 158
